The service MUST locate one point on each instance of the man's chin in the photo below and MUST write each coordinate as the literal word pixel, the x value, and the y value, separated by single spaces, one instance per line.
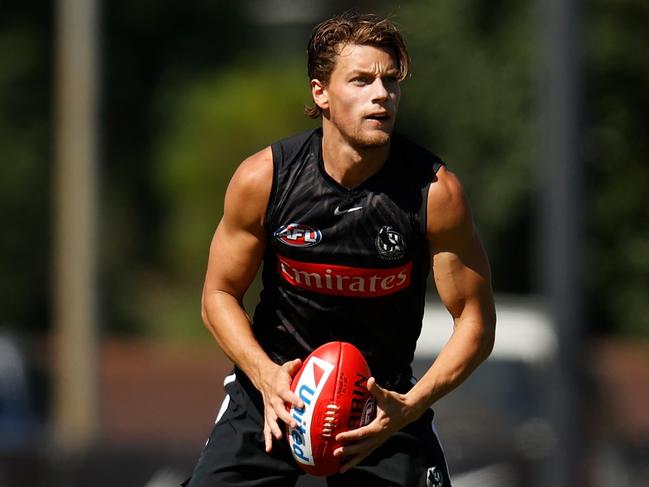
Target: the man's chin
pixel 374 140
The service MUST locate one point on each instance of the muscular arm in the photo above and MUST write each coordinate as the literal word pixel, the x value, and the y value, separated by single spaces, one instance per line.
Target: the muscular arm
pixel 235 255
pixel 463 280
pixel 462 277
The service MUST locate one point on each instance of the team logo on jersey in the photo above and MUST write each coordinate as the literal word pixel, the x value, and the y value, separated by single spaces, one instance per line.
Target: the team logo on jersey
pixel 390 243
pixel 434 478
pixel 297 235
pixel 309 386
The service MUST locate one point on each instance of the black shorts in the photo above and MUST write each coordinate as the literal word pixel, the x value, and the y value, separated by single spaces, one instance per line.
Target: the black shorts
pixel 234 453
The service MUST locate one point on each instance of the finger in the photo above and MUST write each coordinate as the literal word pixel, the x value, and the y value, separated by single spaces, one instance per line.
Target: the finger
pixel 283 414
pixel 271 421
pixel 356 434
pixel 377 391
pixel 285 392
pixel 288 396
pixel 276 433
pixel 268 438
pixel 293 366
pixel 355 448
pixel 275 429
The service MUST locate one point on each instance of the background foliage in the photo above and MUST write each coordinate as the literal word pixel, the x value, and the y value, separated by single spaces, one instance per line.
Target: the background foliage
pixel 192 88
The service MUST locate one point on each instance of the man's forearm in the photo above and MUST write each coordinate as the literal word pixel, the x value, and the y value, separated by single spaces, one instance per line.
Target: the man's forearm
pixel 230 326
pixel 469 345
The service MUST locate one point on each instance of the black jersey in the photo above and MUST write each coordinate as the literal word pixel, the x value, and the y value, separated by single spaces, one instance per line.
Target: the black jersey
pixel 345 264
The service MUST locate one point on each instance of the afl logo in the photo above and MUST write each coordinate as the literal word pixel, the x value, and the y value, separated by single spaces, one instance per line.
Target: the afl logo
pixel 390 244
pixel 297 235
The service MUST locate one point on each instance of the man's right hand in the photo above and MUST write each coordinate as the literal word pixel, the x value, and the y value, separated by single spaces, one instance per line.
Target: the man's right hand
pixel 236 254
pixel 275 389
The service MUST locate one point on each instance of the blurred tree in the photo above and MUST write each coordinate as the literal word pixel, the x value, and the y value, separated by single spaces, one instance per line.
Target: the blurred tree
pixel 214 124
pixel 616 152
pixel 25 122
pixel 149 46
pixel 471 100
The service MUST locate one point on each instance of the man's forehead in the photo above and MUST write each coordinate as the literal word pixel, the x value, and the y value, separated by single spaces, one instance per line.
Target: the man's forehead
pixel 364 57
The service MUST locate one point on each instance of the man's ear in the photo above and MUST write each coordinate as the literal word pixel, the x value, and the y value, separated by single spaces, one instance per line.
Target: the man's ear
pixel 319 93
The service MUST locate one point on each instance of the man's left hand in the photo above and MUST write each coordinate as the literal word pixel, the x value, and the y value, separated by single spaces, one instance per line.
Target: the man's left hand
pixel 392 413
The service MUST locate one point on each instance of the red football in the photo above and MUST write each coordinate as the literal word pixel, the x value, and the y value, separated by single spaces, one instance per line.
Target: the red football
pixel 332 383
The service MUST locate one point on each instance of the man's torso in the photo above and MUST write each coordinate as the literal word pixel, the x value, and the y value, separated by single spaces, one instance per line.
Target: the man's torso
pixel 345 264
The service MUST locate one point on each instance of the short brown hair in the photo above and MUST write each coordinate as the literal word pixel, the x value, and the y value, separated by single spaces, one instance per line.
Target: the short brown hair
pixel 329 37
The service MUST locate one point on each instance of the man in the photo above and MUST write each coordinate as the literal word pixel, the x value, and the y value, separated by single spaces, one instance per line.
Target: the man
pixel 347 220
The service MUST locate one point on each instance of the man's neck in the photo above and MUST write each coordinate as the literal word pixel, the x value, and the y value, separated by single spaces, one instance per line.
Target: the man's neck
pixel 350 166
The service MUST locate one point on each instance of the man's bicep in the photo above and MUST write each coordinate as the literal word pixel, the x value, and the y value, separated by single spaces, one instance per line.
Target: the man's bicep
pixel 239 241
pixel 459 262
pixel 462 277
pixel 235 256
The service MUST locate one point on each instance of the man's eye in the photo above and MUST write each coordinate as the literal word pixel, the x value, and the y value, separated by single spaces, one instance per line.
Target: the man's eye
pixel 361 80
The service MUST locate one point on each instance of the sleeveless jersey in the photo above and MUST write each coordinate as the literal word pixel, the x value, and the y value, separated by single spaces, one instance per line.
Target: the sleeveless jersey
pixel 345 264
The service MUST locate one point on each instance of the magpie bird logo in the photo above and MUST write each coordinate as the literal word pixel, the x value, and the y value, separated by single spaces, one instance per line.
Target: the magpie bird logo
pixel 390 243
pixel 434 478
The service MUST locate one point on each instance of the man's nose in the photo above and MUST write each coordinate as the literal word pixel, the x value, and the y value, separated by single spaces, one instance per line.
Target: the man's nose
pixel 379 90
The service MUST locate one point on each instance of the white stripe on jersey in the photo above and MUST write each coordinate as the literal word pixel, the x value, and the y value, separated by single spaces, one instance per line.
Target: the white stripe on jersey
pixel 224 406
pixel 226 400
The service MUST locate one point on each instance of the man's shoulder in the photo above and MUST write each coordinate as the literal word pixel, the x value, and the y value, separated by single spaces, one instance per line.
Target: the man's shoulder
pixel 254 171
pixel 448 208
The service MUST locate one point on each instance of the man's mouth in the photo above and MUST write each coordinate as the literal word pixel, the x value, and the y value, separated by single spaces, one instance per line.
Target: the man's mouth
pixel 382 116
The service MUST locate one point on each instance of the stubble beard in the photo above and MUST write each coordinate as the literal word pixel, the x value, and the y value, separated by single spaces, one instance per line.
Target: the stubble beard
pixel 363 138
pixel 374 140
